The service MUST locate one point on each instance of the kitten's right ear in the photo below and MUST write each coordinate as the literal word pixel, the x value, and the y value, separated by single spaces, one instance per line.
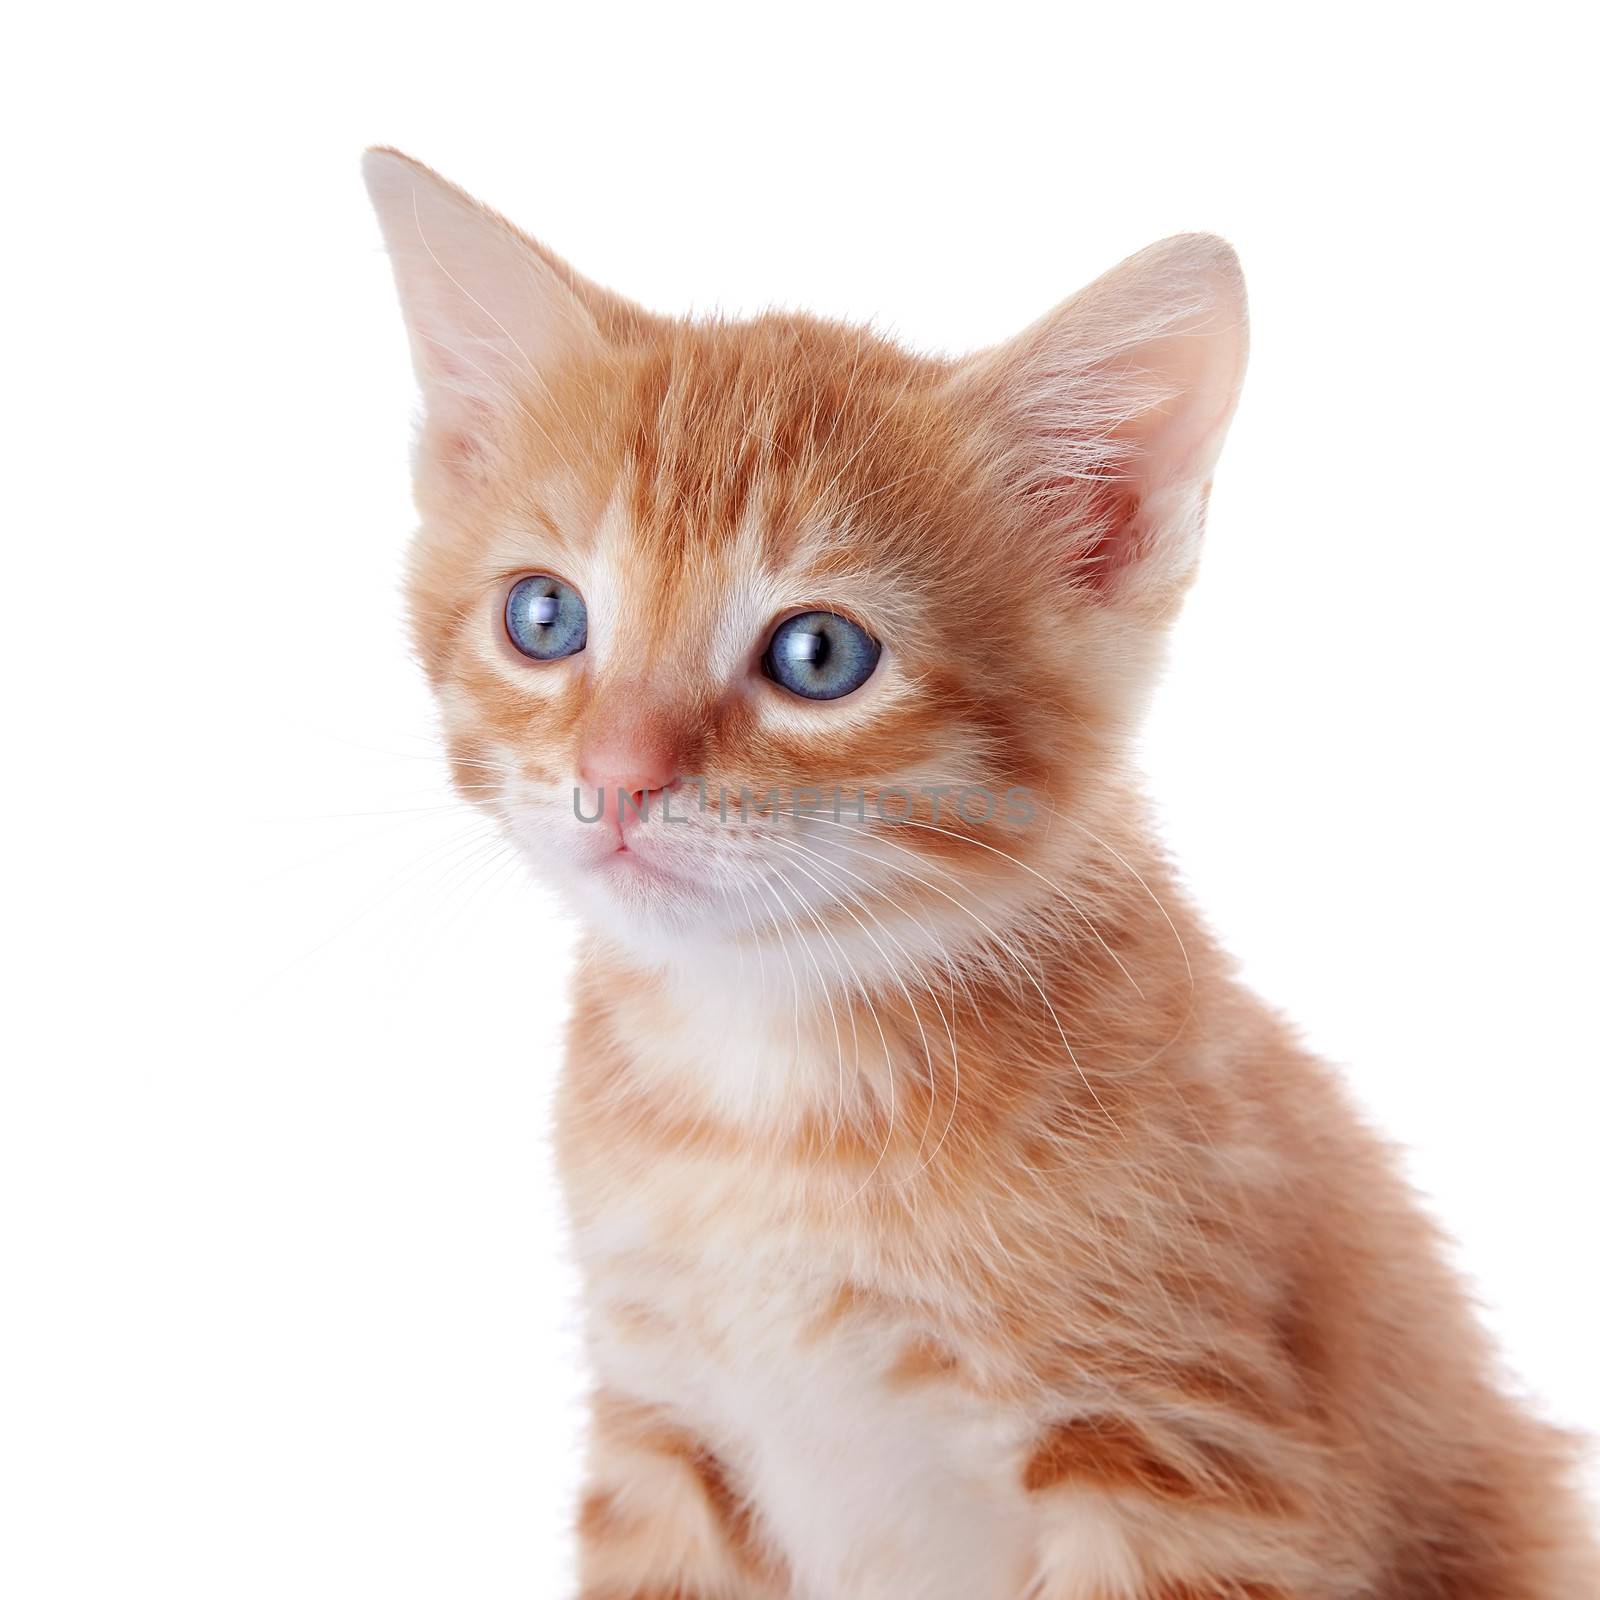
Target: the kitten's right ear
pixel 491 314
pixel 1112 410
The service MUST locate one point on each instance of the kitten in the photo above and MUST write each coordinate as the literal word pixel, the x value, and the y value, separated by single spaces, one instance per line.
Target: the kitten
pixel 954 1226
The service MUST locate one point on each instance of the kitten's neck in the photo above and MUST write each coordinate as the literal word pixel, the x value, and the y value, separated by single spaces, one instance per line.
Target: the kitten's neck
pixel 1099 991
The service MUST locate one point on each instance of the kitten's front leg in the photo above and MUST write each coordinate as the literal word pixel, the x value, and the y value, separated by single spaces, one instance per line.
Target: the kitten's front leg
pixel 1127 1514
pixel 662 1517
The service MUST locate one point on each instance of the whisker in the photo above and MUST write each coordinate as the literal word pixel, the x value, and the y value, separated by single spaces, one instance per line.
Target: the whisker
pixel 955 1054
pixel 999 944
pixel 838 1040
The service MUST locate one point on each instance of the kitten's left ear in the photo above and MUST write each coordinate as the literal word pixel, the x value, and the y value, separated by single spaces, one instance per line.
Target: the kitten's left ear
pixel 491 313
pixel 1113 410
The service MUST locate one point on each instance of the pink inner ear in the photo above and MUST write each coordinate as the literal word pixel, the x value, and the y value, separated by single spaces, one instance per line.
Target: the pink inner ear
pixel 459 441
pixel 1112 517
pixel 460 452
pixel 1100 537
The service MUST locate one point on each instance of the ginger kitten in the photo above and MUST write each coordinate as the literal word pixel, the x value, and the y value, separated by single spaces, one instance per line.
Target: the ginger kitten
pixel 954 1226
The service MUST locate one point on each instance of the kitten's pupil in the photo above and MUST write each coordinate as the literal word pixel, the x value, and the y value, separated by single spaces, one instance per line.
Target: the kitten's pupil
pixel 544 610
pixel 808 647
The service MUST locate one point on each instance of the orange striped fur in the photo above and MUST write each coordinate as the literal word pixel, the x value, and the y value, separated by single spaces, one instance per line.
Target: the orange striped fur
pixel 955 1226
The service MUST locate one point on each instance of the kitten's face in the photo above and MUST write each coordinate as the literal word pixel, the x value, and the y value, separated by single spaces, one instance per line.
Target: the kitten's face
pixel 726 480
pixel 772 626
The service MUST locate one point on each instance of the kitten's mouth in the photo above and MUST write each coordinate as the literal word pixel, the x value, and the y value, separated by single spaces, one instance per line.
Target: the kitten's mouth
pixel 626 865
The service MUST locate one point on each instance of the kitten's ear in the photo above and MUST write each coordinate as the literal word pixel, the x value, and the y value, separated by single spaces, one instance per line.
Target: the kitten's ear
pixel 490 313
pixel 1113 410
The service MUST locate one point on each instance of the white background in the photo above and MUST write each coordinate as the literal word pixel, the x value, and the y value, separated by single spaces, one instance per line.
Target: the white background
pixel 284 1306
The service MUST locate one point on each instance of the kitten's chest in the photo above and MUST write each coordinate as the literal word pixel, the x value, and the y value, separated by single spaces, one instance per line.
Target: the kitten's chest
pixel 875 1472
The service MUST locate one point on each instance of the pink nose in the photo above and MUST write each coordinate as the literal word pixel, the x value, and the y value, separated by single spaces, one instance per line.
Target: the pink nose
pixel 634 759
pixel 637 770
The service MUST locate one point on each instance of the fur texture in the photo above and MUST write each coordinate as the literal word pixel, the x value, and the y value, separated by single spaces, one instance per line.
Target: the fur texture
pixel 955 1226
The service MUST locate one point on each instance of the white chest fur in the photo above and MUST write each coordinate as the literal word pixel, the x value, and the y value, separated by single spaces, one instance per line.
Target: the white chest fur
pixel 869 1488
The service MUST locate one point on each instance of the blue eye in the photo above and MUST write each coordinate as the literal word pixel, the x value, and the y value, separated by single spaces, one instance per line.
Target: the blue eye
pixel 821 656
pixel 546 618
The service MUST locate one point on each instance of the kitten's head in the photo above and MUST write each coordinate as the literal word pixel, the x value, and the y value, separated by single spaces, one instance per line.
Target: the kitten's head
pixel 862 633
